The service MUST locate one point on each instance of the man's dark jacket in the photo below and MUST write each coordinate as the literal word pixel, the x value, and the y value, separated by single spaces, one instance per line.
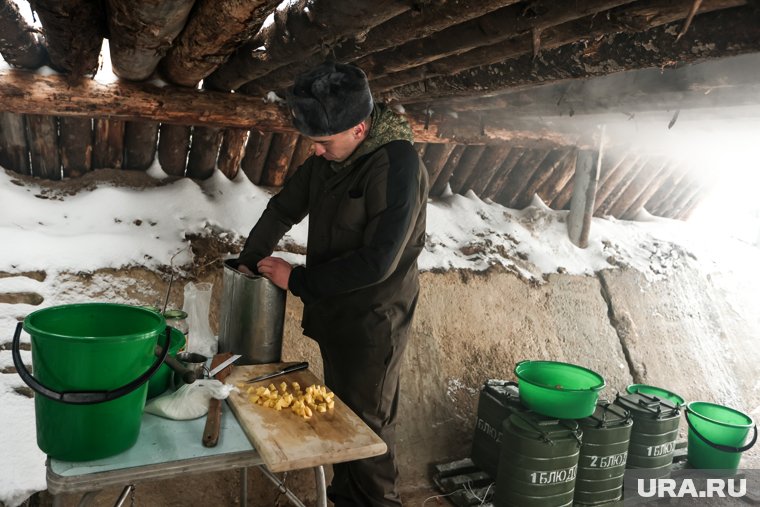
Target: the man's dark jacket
pixel 366 230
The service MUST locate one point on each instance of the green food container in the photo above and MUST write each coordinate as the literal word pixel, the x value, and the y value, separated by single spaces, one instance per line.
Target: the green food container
pixel 498 400
pixel 538 462
pixel 601 467
pixel 92 363
pixel 561 390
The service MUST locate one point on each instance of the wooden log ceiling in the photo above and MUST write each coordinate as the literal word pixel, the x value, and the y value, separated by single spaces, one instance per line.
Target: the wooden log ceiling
pixel 437 60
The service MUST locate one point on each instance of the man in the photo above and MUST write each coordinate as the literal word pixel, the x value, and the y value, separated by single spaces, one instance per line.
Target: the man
pixel 365 191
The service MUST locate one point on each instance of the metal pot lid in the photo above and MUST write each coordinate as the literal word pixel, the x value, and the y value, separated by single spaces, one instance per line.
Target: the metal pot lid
pixel 504 390
pixel 645 405
pixel 548 429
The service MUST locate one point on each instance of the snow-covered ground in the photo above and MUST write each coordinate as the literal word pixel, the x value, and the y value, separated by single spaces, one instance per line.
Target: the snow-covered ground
pixel 110 226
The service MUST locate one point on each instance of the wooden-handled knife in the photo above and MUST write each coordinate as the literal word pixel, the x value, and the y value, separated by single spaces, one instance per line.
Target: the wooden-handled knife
pixel 214 417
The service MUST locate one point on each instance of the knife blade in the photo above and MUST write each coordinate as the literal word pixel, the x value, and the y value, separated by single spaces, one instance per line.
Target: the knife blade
pixel 283 371
pixel 223 365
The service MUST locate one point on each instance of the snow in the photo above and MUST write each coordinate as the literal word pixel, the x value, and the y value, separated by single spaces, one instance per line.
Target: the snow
pixel 112 227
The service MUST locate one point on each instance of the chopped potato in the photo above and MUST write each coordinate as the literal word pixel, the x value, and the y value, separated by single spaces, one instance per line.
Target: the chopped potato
pixel 315 398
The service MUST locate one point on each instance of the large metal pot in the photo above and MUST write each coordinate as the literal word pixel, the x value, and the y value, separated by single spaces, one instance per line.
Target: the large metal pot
pixel 252 316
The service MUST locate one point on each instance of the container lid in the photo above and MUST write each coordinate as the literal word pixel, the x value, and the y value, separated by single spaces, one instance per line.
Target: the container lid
pixel 175 314
pixel 659 392
pixel 547 429
pixel 607 415
pixel 641 404
pixel 503 390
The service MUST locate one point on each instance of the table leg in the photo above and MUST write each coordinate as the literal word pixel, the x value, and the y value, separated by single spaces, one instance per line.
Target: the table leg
pixel 244 486
pixel 319 475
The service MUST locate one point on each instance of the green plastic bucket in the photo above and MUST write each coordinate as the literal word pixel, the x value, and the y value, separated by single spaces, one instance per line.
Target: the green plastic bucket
pixel 161 380
pixel 91 367
pixel 717 435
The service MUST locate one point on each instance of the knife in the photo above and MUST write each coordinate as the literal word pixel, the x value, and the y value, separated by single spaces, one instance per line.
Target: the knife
pixel 223 365
pixel 283 371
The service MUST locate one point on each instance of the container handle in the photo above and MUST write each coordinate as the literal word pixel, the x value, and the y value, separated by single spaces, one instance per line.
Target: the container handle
pixel 82 397
pixel 720 447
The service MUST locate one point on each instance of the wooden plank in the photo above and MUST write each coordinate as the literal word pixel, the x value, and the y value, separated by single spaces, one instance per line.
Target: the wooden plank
pixel 42 138
pixel 488 165
pixel 13 152
pixel 140 141
pixel 466 166
pixel 286 441
pixel 557 181
pixel 304 149
pixel 204 150
pixel 612 178
pixel 520 176
pixel 435 157
pixel 647 191
pixel 438 185
pixel 232 151
pixel 108 150
pixel 75 143
pixel 256 154
pixel 611 202
pixel 278 159
pixel 173 145
pixel 541 175
pixel 562 199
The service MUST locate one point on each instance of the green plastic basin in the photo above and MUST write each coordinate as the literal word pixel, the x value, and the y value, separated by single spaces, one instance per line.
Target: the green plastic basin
pixel 659 392
pixel 561 390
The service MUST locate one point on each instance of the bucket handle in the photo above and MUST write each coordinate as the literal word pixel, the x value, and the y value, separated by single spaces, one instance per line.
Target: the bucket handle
pixel 82 397
pixel 720 447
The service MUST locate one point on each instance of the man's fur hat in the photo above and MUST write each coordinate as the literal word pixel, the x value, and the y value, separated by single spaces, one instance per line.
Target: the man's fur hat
pixel 331 98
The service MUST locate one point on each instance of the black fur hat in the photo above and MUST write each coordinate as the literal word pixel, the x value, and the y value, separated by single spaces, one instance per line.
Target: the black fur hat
pixel 331 98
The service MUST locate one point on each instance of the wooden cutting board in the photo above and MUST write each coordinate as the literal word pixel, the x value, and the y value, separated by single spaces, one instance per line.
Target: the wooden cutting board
pixel 285 440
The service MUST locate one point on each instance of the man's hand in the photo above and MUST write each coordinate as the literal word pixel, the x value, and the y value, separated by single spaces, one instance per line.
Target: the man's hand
pixel 245 270
pixel 276 269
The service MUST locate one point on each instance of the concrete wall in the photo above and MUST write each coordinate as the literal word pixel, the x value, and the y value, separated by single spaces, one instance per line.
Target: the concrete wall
pixel 692 333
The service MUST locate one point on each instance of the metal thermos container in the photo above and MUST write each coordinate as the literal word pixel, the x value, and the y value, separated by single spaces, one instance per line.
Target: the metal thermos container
pixel 498 400
pixel 604 452
pixel 538 461
pixel 252 316
pixel 654 433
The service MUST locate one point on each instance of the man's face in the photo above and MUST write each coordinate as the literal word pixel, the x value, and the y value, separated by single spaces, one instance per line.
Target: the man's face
pixel 338 147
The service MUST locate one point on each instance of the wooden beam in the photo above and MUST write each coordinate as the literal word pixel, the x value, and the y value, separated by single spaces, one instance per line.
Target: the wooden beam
pixel 648 191
pixel 298 32
pixel 638 184
pixel 213 32
pixel 489 29
pixel 609 178
pixel 141 31
pixel 408 26
pixel 520 176
pixel 14 154
pixel 19 44
pixel 204 150
pixel 616 47
pixel 173 146
pixel 30 93
pixel 562 200
pixel 256 154
pixel 552 187
pixel 661 199
pixel 582 203
pixel 74 32
pixel 609 204
pixel 75 143
pixel 108 150
pixel 140 139
pixel 438 185
pixel 232 151
pixel 42 139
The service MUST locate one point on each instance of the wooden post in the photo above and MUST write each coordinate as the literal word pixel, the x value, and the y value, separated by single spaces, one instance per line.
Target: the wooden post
pixel 42 139
pixel 108 152
pixel 13 152
pixel 140 139
pixel 204 151
pixel 76 145
pixel 173 145
pixel 20 45
pixel 304 149
pixel 584 193
pixel 256 154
